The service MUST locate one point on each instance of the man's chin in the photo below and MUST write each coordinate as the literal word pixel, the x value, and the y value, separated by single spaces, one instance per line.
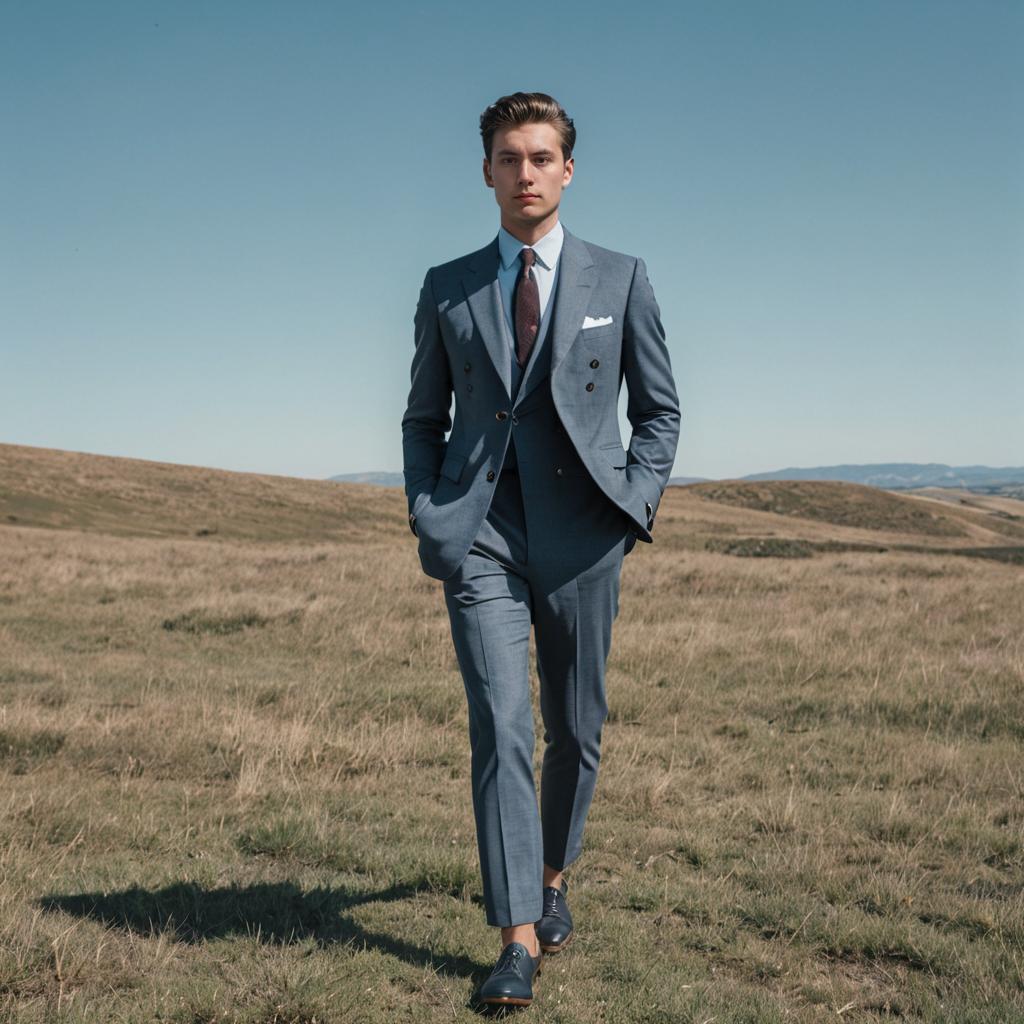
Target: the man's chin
pixel 531 213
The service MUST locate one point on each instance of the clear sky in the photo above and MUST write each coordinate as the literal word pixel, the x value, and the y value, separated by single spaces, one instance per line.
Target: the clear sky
pixel 215 217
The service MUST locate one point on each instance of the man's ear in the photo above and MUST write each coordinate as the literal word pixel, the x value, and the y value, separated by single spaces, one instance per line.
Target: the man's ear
pixel 488 180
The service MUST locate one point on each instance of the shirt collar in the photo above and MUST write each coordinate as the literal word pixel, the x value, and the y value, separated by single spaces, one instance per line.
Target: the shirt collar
pixel 546 248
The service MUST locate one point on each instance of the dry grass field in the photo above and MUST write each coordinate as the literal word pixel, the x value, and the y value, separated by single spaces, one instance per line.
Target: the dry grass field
pixel 234 762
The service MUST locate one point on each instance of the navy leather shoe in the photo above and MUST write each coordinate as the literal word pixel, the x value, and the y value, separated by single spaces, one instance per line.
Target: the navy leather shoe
pixel 511 980
pixel 554 929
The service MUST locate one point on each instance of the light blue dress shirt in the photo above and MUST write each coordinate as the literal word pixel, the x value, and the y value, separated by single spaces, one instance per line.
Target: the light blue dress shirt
pixel 545 270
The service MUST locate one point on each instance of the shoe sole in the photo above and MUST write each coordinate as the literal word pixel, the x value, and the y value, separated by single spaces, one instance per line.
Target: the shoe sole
pixel 507 1001
pixel 560 946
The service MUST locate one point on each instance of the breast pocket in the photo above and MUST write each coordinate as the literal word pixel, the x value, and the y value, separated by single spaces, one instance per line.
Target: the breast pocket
pixel 601 336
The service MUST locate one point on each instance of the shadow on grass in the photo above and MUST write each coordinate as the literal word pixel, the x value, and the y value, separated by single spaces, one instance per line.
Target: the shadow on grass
pixel 274 913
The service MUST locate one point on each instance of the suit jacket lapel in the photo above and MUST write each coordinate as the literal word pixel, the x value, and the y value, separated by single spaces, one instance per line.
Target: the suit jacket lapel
pixel 483 293
pixel 576 273
pixel 576 277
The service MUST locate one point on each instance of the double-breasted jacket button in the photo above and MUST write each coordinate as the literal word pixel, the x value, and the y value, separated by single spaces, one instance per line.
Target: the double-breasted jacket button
pixel 595 363
pixel 501 415
pixel 469 387
pixel 490 474
pixel 590 385
pixel 558 472
pixel 467 367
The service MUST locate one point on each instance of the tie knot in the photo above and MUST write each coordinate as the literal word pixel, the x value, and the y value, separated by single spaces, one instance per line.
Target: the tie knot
pixel 527 255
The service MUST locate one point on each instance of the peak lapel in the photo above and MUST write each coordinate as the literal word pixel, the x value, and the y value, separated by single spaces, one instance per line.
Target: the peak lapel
pixel 573 288
pixel 483 293
pixel 576 273
pixel 576 276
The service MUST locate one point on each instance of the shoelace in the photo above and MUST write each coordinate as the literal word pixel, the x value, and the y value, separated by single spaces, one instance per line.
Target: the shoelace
pixel 510 956
pixel 551 895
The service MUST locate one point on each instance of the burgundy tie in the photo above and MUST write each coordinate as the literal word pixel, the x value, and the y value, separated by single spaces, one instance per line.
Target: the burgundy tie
pixel 526 304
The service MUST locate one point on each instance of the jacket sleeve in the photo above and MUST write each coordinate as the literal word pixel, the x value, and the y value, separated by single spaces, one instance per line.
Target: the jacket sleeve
pixel 653 406
pixel 427 415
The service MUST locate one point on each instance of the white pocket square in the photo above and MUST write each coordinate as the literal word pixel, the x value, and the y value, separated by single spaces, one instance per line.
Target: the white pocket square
pixel 596 321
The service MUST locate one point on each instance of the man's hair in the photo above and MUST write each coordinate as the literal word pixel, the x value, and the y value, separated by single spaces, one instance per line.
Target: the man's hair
pixel 527 108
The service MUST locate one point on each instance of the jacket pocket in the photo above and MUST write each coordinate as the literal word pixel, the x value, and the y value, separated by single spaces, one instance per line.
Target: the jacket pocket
pixel 615 454
pixel 602 333
pixel 420 503
pixel 452 466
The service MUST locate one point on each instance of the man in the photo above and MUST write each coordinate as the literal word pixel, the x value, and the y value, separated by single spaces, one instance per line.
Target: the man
pixel 528 509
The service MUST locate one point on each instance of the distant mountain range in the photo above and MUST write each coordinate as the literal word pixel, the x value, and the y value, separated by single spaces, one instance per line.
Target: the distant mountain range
pixel 891 476
pixel 899 476
pixel 381 479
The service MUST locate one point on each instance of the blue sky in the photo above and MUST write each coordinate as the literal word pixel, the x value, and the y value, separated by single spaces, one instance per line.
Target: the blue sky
pixel 215 218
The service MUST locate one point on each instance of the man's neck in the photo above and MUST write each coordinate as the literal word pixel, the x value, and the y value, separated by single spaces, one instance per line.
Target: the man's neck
pixel 530 233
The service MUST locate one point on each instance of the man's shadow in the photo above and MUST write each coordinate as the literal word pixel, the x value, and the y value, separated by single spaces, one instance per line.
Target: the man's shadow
pixel 278 913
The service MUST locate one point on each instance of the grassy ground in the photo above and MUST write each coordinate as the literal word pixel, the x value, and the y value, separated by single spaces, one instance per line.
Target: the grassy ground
pixel 234 764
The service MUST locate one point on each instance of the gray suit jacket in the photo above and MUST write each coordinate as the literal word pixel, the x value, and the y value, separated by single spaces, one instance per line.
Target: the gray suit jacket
pixel 458 324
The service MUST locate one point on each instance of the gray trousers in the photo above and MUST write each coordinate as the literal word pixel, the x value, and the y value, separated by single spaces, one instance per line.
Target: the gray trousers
pixel 504 585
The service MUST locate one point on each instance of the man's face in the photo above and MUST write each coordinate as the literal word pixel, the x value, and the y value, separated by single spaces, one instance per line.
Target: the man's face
pixel 527 172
